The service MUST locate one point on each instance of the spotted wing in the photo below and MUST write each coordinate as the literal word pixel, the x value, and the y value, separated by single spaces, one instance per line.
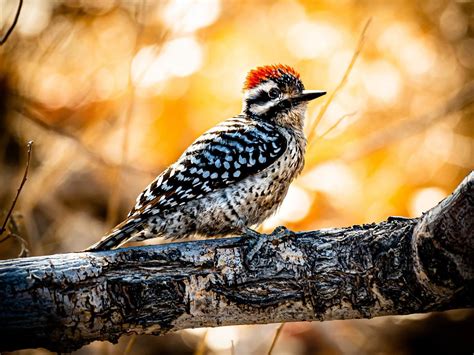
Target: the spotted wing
pixel 226 154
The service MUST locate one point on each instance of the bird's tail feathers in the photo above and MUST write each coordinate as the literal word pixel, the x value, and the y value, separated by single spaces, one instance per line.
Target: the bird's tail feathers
pixel 118 236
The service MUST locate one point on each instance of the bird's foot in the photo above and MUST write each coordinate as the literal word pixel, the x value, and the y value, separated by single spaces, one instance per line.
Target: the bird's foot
pixel 281 231
pixel 258 240
pixel 255 242
pixel 250 233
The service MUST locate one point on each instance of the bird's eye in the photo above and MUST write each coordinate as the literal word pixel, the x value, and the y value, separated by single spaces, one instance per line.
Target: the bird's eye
pixel 273 93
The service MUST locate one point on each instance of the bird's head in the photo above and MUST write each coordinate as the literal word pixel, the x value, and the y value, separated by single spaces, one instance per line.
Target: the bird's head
pixel 275 93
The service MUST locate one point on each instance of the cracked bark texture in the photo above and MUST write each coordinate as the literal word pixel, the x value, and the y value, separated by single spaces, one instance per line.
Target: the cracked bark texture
pixel 398 266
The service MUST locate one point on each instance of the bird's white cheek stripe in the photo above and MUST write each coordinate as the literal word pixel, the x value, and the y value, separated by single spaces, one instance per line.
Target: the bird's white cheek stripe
pixel 259 109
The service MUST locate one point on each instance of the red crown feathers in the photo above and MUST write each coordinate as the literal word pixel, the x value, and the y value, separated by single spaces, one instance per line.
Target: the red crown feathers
pixel 261 74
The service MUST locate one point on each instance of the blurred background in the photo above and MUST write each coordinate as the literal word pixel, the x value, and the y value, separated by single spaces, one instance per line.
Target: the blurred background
pixel 111 92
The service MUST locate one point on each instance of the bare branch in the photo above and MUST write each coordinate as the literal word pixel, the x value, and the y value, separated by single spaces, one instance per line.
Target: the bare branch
pixel 25 176
pixel 130 344
pixel 201 346
pixel 275 338
pixel 406 128
pixel 319 117
pixel 35 117
pixel 399 266
pixel 23 243
pixel 15 20
pixel 24 251
pixel 335 124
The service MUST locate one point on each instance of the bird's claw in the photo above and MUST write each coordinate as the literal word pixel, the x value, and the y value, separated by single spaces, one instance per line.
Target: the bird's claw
pixel 251 234
pixel 255 241
pixel 258 240
pixel 281 231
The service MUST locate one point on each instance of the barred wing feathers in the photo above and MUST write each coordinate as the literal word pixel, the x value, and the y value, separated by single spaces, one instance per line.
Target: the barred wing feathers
pixel 228 153
pixel 224 155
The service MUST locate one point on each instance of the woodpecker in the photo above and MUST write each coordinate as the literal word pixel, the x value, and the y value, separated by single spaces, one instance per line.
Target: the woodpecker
pixel 232 177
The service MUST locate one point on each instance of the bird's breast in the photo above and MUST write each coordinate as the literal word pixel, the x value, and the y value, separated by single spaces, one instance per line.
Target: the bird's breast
pixel 255 198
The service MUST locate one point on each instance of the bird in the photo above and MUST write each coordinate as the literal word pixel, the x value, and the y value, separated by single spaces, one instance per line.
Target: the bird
pixel 235 175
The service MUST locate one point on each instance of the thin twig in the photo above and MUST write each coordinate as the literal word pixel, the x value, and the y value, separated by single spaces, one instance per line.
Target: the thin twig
pixel 406 128
pixel 130 344
pixel 201 346
pixel 35 117
pixel 25 176
pixel 341 84
pixel 275 338
pixel 335 124
pixel 15 20
pixel 24 251
pixel 232 348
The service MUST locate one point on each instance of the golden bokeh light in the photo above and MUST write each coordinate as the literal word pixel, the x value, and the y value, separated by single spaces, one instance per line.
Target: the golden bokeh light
pixel 179 57
pixel 190 15
pixel 296 205
pixel 382 81
pixel 424 199
pixel 184 63
pixel 326 38
pixel 35 17
pixel 113 91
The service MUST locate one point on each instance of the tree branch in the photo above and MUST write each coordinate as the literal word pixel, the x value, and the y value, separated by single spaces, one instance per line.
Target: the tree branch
pixel 22 183
pixel 314 124
pixel 12 26
pixel 398 266
pixel 402 129
pixel 33 115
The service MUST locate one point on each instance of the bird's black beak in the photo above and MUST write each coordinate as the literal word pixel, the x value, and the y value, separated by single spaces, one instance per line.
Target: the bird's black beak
pixel 308 95
pixel 305 96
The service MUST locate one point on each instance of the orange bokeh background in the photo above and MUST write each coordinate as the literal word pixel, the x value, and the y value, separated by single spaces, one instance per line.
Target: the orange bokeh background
pixel 111 92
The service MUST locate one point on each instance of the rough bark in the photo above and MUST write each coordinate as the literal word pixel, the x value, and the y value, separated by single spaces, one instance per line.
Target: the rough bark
pixel 398 266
